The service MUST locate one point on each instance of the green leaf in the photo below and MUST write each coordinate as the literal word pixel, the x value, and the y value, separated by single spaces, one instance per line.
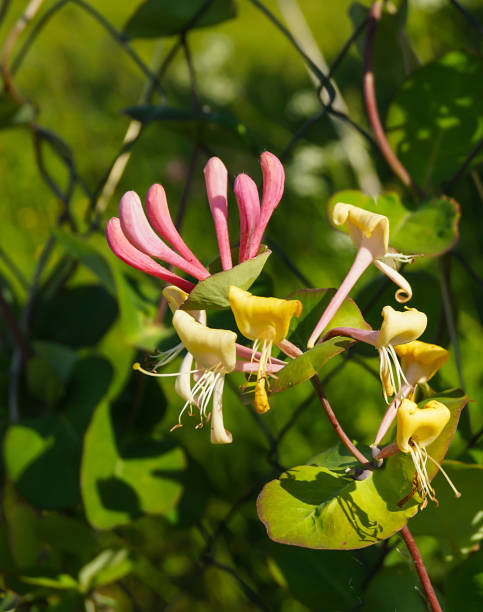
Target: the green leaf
pixel 21 522
pixel 61 582
pixel 12 113
pixel 464 585
pixel 314 507
pixel 212 293
pixel 434 128
pixel 400 467
pixel 308 573
pixel 431 229
pixel 304 367
pixel 137 322
pixel 320 507
pixel 456 522
pixel 42 456
pixel 83 251
pixel 157 18
pixel 205 125
pixel 49 370
pixel 314 303
pixel 118 486
pixel 394 588
pixel 75 316
pixel 109 566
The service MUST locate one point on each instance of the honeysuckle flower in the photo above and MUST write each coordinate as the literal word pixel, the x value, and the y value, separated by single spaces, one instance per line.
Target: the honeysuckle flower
pixel 419 362
pixel 417 428
pixel 253 217
pixel 128 253
pixel 137 240
pixel 216 179
pixel 398 328
pixel 370 234
pixel 266 322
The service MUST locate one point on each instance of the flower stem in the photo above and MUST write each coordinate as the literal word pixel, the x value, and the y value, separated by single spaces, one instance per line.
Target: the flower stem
pixel 361 262
pixel 421 569
pixel 371 103
pixel 344 438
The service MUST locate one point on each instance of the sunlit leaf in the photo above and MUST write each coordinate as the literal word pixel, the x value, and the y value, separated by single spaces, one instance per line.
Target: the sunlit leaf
pixel 434 123
pixel 304 367
pixel 119 485
pixel 212 293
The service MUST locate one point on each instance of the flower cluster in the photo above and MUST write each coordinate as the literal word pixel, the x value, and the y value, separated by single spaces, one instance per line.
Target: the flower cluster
pixel 142 239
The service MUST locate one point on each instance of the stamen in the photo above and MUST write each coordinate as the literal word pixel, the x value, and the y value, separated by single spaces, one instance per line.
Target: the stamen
pixel 400 257
pixel 165 357
pixel 137 366
pixel 455 490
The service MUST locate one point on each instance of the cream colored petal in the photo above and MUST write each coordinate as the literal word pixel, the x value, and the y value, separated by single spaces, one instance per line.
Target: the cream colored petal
pixel 400 327
pixel 420 360
pixel 218 434
pixel 210 347
pixel 421 425
pixel 365 228
pixel 182 386
pixel 404 293
pixel 260 318
pixel 176 297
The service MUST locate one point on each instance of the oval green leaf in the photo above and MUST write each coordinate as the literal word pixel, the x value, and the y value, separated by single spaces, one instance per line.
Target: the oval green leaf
pixel 154 19
pixel 212 293
pixel 118 487
pixel 433 139
pixel 304 367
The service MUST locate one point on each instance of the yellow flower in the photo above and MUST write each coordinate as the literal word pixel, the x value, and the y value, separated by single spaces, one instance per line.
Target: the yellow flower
pixel 417 428
pixel 398 328
pixel 420 360
pixel 370 234
pixel 265 321
pixel 371 231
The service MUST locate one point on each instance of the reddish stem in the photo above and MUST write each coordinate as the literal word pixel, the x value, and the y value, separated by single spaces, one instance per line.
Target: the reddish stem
pixel 344 438
pixel 14 328
pixel 371 102
pixel 421 569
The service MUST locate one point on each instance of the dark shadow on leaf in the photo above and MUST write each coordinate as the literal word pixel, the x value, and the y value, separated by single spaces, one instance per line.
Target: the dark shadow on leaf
pixel 116 495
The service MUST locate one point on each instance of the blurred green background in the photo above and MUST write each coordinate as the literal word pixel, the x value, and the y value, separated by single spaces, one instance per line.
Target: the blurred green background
pixel 73 536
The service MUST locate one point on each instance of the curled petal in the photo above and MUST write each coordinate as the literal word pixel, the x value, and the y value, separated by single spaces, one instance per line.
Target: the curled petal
pixel 421 425
pixel 273 184
pixel 158 214
pixel 121 247
pixel 365 228
pixel 401 327
pixel 404 293
pixel 182 386
pixel 219 435
pixel 216 179
pixel 420 361
pixel 212 348
pixel 248 200
pixel 137 230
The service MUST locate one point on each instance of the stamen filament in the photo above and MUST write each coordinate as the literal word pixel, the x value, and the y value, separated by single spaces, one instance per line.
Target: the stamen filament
pixel 137 366
pixel 450 482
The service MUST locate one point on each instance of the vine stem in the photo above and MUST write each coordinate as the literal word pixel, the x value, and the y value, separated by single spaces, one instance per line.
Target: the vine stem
pixel 344 438
pixel 370 100
pixel 421 569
